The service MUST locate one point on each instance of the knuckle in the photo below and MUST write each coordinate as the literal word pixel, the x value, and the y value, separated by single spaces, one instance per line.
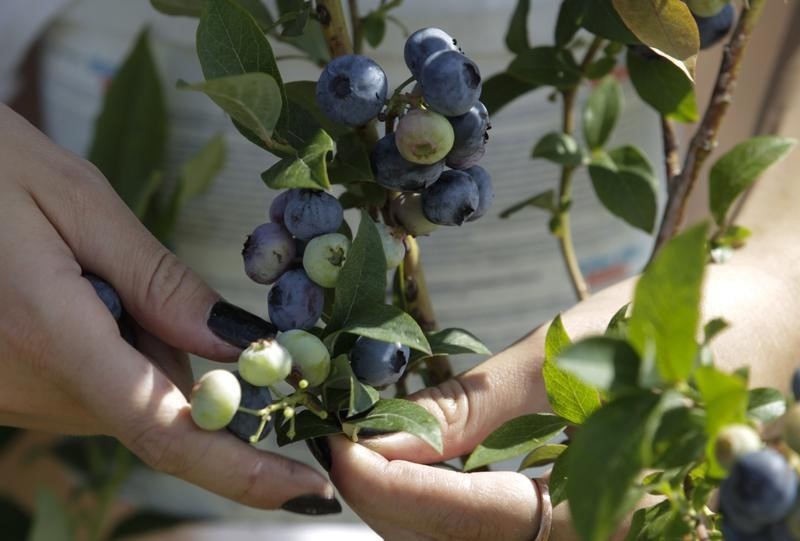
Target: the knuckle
pixel 159 448
pixel 450 404
pixel 166 281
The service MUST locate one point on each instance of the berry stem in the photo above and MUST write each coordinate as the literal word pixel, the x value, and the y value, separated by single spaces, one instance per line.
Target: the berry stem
pixel 705 138
pixel 564 231
pixel 358 30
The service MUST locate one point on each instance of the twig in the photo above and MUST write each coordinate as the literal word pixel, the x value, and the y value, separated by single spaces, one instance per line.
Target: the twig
pixel 705 139
pixel 672 164
pixel 358 29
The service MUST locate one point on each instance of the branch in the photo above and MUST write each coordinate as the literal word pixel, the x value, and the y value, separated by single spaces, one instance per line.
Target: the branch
pixel 355 22
pixel 672 164
pixel 705 139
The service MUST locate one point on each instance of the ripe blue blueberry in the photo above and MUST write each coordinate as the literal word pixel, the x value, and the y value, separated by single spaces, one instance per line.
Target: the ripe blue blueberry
pixel 268 252
pixel 244 425
pixel 352 89
pixel 731 533
pixel 310 213
pixel 295 301
pixel 713 29
pixel 106 293
pixel 483 181
pixel 451 199
pixel 470 136
pixel 378 363
pixel 759 490
pixel 451 83
pixel 422 44
pixel 394 172
pixel 278 206
pixel 796 384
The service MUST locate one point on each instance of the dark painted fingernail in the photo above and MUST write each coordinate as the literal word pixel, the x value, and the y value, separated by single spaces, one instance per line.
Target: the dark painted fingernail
pixel 366 433
pixel 238 327
pixel 313 504
pixel 321 450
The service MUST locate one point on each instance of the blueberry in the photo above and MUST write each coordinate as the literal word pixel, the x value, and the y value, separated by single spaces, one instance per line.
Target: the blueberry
pixel 713 29
pixel 706 8
pixel 310 213
pixel 394 172
pixel 470 135
pixel 265 362
pixel 407 212
pixel 324 258
pixel 731 533
pixel 796 384
pixel 295 302
pixel 310 358
pixel 423 136
pixel 451 199
pixel 352 89
pixel 733 441
pixel 483 181
pixel 106 293
pixel 268 252
pixel 394 246
pixel 780 531
pixel 422 44
pixel 278 206
pixel 378 363
pixel 466 161
pixel 759 491
pixel 451 83
pixel 215 398
pixel 244 425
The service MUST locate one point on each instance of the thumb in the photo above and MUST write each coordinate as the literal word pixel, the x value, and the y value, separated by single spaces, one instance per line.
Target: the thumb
pixel 472 405
pixel 161 293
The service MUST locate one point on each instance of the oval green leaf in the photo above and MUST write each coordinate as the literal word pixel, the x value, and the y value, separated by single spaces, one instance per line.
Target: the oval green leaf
pixel 667 25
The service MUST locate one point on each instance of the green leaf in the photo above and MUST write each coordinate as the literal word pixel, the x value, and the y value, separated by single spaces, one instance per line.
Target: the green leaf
pixel 514 438
pixel 362 281
pixel 661 522
pixel 630 158
pixel 517 33
pixel 663 85
pixel 618 322
pixel 616 441
pixel 666 306
pixel 51 521
pixel 501 89
pixel 559 476
pixel 605 363
pixel 374 29
pixel 601 67
pixel 307 425
pixel 197 173
pixel 680 438
pixel 455 342
pixel 739 168
pixel 713 328
pixel 309 169
pixel 666 25
pixel 230 42
pixel 569 397
pixel 303 94
pixel 545 201
pixel 559 148
pixel 396 415
pixel 351 163
pixel 146 521
pixel 14 521
pixel 343 392
pixel 542 456
pixel 765 404
pixel 131 132
pixel 546 66
pixel 190 8
pixel 569 20
pixel 387 323
pixel 601 112
pixel 295 22
pixel 626 194
pixel 602 19
pixel 251 99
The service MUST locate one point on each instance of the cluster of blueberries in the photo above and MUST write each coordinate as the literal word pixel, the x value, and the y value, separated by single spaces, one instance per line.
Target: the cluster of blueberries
pixel 441 123
pixel 714 18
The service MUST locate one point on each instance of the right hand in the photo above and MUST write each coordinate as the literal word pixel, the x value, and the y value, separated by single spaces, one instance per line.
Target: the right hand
pixel 63 365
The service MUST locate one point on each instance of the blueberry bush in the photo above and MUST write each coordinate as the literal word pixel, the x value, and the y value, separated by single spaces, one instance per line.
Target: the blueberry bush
pixel 641 409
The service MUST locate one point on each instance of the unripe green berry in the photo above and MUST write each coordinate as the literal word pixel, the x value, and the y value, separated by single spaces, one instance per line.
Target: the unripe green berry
pixel 394 248
pixel 733 441
pixel 215 399
pixel 791 427
pixel 264 363
pixel 310 357
pixel 407 211
pixel 324 258
pixel 424 136
pixel 706 8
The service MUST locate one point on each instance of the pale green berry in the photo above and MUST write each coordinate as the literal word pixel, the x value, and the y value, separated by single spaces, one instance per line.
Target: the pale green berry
pixel 424 136
pixel 733 441
pixel 215 399
pixel 394 248
pixel 407 211
pixel 310 357
pixel 706 8
pixel 324 258
pixel 791 427
pixel 265 362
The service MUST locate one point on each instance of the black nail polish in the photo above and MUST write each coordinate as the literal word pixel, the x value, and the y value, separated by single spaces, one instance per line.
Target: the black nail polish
pixel 321 450
pixel 313 504
pixel 366 433
pixel 238 327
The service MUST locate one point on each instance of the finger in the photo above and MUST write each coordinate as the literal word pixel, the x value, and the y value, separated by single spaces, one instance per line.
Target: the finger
pixel 441 504
pixel 172 362
pixel 157 289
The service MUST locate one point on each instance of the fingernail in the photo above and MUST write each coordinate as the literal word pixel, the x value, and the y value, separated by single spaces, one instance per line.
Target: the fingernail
pixel 322 451
pixel 238 327
pixel 367 433
pixel 313 504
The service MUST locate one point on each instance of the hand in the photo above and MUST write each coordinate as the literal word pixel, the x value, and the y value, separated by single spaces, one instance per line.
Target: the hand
pixel 64 366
